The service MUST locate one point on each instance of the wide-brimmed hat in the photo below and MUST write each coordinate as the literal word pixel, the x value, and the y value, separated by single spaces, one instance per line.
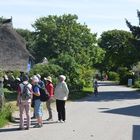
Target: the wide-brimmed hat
pixel 63 77
pixel 49 78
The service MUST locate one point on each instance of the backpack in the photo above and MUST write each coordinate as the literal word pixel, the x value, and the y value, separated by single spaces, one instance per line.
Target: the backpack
pixel 43 96
pixel 26 93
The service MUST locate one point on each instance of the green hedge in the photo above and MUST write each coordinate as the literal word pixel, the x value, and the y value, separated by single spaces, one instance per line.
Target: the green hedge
pixel 125 74
pixel 113 76
pixel 77 77
pixel 137 83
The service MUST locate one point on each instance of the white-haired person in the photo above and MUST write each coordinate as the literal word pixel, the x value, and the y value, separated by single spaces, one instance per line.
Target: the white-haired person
pixel 50 90
pixel 61 94
pixel 41 85
pixel 38 110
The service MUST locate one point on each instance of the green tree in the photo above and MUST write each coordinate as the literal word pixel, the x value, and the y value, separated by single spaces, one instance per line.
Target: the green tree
pixel 47 70
pixel 70 45
pixel 71 70
pixel 29 38
pixel 119 51
pixel 63 34
pixel 135 30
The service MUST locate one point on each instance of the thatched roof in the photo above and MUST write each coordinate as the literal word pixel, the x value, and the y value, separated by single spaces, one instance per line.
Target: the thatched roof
pixel 13 52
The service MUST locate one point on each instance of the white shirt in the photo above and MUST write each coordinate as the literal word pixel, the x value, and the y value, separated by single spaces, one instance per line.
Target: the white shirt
pixel 61 91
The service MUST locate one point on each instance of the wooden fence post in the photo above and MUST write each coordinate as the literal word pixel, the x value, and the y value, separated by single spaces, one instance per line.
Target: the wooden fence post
pixel 2 99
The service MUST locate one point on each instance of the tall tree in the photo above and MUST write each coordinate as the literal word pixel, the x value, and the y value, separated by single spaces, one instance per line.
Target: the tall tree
pixel 29 36
pixel 136 34
pixel 119 51
pixel 57 35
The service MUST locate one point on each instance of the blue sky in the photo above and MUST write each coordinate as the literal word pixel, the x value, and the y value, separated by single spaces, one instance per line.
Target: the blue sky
pixel 98 15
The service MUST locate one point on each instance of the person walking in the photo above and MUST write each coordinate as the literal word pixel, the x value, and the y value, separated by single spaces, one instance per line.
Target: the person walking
pixel 50 90
pixel 61 94
pixel 37 102
pixel 95 86
pixel 24 101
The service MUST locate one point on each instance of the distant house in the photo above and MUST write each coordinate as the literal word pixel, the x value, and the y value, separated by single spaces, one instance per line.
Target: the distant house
pixel 13 52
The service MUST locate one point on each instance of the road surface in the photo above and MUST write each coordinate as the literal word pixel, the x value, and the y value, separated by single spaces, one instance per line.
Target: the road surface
pixel 113 115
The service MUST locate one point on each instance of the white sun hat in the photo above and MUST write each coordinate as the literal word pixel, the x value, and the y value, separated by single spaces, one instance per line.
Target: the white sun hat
pixel 35 79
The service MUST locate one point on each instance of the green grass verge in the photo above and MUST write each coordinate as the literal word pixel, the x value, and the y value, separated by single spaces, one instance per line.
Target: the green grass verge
pixel 5 115
pixel 6 112
pixel 75 95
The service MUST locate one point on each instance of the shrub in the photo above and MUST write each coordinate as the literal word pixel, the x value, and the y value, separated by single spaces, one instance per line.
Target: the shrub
pixel 87 76
pixel 78 76
pixel 5 115
pixel 137 84
pixel 1 73
pixel 47 70
pixel 16 73
pixel 125 74
pixel 113 76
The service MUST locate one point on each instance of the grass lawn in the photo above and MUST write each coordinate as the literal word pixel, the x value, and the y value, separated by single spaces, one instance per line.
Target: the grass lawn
pixel 9 107
pixel 75 95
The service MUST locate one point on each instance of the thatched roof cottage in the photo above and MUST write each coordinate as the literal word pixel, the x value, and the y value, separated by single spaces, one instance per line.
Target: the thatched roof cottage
pixel 13 52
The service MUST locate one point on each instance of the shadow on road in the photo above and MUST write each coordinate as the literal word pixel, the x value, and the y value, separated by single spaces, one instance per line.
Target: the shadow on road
pixel 112 95
pixel 130 111
pixel 136 132
pixel 17 125
pixel 16 121
pixel 9 129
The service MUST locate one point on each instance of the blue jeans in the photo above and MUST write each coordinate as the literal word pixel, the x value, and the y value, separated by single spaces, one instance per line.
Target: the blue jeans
pixel 38 108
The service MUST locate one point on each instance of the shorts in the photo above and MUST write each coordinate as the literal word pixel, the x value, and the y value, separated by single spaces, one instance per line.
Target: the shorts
pixel 38 108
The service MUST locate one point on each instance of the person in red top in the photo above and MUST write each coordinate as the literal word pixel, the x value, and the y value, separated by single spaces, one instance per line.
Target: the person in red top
pixel 50 89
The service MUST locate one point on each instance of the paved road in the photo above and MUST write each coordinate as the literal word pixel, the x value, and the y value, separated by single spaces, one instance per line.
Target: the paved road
pixel 113 115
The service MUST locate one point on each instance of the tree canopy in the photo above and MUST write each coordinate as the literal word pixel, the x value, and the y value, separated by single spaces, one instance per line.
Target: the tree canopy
pixel 119 51
pixel 66 43
pixel 135 30
pixel 57 35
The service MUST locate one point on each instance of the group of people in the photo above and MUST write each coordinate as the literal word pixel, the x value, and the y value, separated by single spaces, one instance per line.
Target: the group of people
pixel 30 92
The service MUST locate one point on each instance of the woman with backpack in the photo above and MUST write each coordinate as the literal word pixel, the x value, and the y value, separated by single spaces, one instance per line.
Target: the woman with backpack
pixel 38 104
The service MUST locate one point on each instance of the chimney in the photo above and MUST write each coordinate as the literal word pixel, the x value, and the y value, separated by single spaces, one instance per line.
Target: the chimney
pixel 7 22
